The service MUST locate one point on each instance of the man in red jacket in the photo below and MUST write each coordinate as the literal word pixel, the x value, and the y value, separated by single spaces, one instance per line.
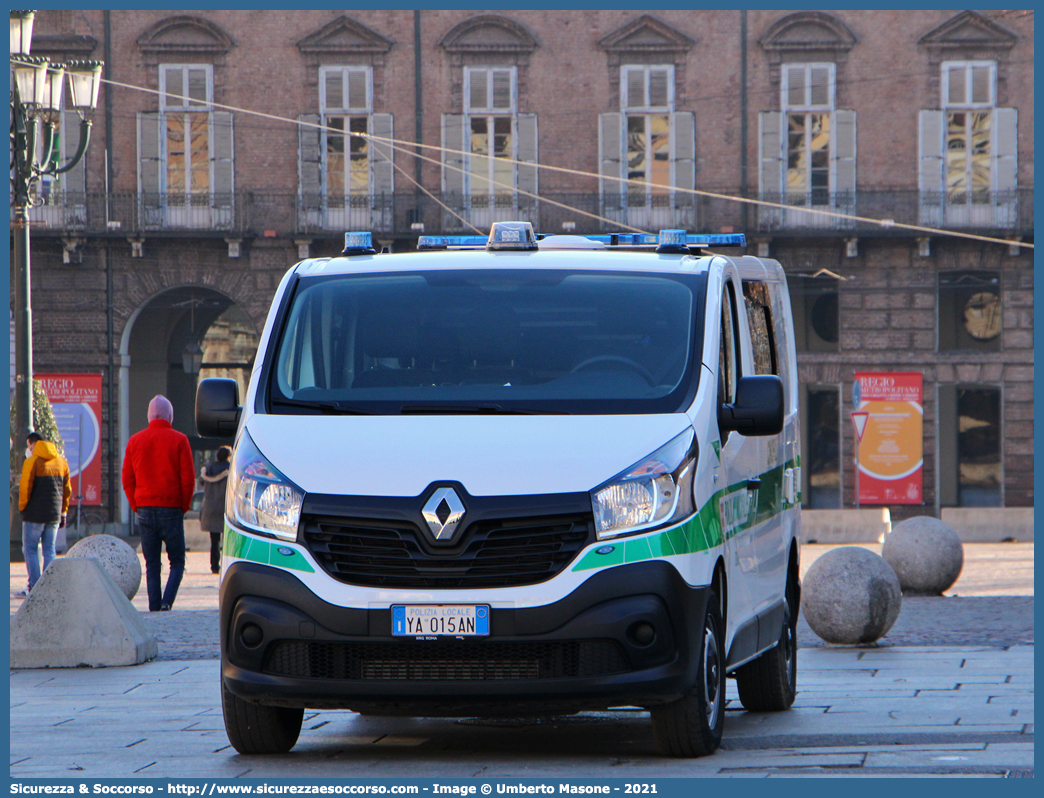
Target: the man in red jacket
pixel 159 478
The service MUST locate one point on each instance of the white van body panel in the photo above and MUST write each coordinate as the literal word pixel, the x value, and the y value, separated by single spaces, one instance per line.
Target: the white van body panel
pixel 499 455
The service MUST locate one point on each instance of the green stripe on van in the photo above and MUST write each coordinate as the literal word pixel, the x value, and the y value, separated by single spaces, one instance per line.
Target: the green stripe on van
pixel 702 532
pixel 253 549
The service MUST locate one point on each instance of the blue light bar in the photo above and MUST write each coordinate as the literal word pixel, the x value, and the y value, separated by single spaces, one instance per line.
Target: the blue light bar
pixel 358 244
pixel 678 240
pixel 716 240
pixel 444 242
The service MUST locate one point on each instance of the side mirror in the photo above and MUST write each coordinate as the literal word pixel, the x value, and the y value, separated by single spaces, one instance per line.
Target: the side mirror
pixel 758 409
pixel 217 408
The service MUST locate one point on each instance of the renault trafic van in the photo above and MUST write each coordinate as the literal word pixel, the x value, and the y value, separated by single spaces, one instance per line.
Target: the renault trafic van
pixel 514 475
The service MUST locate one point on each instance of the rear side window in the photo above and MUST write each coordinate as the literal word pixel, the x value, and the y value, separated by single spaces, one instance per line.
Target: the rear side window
pixel 759 317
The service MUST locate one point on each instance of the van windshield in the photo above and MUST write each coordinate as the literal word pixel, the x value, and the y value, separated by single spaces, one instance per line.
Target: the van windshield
pixel 526 341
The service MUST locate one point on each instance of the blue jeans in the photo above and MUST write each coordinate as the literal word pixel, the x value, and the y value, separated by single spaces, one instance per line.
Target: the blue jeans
pixel 32 535
pixel 159 526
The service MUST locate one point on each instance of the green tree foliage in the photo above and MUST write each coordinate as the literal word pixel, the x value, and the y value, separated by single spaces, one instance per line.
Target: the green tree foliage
pixel 43 422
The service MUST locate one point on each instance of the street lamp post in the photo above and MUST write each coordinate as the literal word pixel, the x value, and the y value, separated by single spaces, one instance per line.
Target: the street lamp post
pixel 36 102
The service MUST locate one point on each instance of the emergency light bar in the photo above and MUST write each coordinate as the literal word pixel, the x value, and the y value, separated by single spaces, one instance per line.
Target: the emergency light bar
pixel 520 236
pixel 358 244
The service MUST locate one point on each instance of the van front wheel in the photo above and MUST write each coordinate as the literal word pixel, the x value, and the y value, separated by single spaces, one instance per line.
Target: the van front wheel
pixel 692 726
pixel 769 683
pixel 259 729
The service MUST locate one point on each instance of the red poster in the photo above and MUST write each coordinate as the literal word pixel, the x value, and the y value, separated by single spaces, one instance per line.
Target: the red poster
pixel 891 453
pixel 76 400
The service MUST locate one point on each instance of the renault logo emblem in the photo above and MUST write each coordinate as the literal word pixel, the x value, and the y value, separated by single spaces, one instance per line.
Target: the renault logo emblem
pixel 443 512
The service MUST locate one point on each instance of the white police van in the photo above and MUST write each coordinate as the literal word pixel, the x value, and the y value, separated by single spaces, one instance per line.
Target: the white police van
pixel 514 476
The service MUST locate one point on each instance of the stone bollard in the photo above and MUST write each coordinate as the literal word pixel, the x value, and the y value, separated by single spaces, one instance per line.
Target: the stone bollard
pixel 926 554
pixel 117 557
pixel 850 596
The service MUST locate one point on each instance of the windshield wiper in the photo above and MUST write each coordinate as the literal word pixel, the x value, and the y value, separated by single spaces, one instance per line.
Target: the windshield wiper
pixel 333 408
pixel 475 410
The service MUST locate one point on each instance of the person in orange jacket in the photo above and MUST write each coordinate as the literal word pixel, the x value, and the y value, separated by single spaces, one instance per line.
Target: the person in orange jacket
pixel 43 500
pixel 159 479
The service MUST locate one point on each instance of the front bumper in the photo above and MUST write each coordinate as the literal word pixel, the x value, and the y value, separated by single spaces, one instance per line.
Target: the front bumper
pixel 282 645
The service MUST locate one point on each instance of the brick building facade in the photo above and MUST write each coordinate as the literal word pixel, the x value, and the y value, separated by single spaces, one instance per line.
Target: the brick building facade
pixel 222 154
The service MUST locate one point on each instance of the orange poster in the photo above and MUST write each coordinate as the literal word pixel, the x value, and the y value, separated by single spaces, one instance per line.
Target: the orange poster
pixel 891 453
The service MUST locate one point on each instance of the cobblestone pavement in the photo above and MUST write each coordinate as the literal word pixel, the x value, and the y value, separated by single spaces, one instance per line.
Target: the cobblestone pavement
pixel 948 692
pixel 900 711
pixel 972 613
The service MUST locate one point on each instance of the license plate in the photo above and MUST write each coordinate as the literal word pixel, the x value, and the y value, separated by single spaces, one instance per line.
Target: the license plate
pixel 454 620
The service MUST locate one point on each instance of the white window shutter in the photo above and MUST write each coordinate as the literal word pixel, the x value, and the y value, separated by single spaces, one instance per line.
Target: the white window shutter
pixel 683 152
pixel 222 157
pixel 453 163
pixel 610 152
pixel 843 155
pixel 932 152
pixel 73 182
pixel 1005 150
pixel 383 155
pixel 770 155
pixel 309 161
pixel 931 172
pixel 528 143
pixel 150 158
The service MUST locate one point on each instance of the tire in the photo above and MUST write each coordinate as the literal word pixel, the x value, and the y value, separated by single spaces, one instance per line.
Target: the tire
pixel 769 683
pixel 692 726
pixel 258 729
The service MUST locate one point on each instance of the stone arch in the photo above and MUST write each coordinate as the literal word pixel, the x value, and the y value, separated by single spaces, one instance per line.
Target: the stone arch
pixel 162 324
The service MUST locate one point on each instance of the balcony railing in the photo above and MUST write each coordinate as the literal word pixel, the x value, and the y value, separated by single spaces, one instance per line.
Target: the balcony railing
pixel 999 212
pixel 259 213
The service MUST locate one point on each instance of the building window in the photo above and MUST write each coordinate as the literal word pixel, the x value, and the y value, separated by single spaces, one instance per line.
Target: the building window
pixel 489 171
pixel 186 93
pixel 808 149
pixel 822 452
pixel 969 311
pixel 647 99
pixel 185 174
pixel 490 124
pixel 648 142
pixel 345 104
pixel 969 443
pixel 968 91
pixel 345 160
pixel 978 447
pixel 817 315
pixel 808 101
pixel 969 153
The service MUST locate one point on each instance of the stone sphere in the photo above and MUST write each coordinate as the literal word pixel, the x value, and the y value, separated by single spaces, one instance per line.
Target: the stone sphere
pixel 116 556
pixel 926 554
pixel 850 596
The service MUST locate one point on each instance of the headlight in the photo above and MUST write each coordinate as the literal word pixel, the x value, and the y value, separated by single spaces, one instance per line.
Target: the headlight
pixel 653 492
pixel 258 496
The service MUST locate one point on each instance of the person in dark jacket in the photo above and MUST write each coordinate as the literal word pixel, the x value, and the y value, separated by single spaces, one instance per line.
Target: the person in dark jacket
pixel 212 513
pixel 159 480
pixel 43 499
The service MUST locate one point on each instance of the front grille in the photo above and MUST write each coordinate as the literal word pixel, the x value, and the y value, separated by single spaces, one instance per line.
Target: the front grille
pixel 492 553
pixel 445 660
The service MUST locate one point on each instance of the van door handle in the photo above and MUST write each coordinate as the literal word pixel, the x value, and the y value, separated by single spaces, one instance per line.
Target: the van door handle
pixel 754 484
